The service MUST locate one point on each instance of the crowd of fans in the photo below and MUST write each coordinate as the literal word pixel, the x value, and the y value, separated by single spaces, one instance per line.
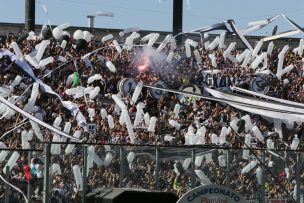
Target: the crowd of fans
pixel 140 173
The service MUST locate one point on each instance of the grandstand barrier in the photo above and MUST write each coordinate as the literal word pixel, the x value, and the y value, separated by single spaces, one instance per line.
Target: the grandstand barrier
pixel 151 169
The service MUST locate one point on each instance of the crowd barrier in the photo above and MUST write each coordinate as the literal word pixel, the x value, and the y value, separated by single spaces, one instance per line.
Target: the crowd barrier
pixel 263 176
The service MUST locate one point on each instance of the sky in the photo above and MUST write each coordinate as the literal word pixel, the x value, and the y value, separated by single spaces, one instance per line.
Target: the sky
pixel 157 14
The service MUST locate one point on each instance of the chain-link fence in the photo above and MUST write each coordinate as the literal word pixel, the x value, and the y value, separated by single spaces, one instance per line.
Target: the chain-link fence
pixel 67 172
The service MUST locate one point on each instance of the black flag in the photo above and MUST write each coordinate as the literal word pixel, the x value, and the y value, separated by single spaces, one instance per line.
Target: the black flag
pixel 274 31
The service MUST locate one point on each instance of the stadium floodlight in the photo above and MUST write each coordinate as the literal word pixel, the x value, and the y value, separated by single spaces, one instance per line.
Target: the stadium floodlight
pixel 98 13
pixel 105 13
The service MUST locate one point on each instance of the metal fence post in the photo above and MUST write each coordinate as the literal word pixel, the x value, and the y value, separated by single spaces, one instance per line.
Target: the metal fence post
pixel 193 169
pixel 263 179
pixel 7 169
pixel 84 173
pixel 121 167
pixel 228 169
pixel 29 187
pixel 157 184
pixel 298 189
pixel 46 181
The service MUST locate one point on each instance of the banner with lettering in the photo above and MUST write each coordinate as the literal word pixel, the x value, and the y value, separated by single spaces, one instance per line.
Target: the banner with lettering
pixel 212 194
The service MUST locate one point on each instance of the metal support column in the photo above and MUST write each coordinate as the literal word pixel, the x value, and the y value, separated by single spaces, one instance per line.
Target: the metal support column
pixel 46 181
pixel 121 167
pixel 84 173
pixel 298 188
pixel 193 169
pixel 29 187
pixel 157 184
pixel 228 168
pixel 263 180
pixel 30 15
pixel 7 189
pixel 178 20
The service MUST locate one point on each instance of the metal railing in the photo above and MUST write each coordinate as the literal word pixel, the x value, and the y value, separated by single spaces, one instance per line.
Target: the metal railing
pixel 70 171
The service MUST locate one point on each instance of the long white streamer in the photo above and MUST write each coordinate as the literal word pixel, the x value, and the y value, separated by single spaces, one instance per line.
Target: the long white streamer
pixel 13 186
pixel 269 113
pixel 44 87
pixel 280 35
pixel 14 128
pixel 217 26
pixel 267 97
pixel 292 23
pixel 188 3
pixel 47 14
pixel 15 108
pixel 257 27
pixel 240 34
pixel 261 110
pixel 254 102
